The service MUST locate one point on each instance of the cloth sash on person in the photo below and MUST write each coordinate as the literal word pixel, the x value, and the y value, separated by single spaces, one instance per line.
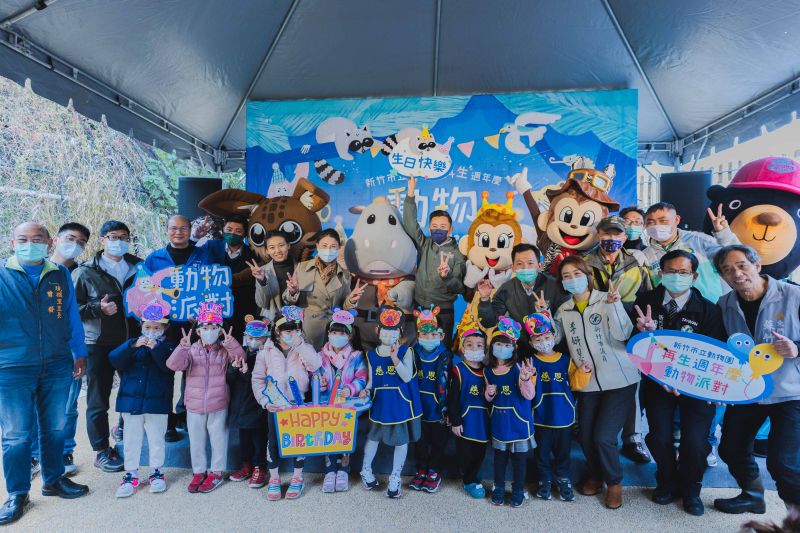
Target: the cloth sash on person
pixel 511 414
pixel 393 400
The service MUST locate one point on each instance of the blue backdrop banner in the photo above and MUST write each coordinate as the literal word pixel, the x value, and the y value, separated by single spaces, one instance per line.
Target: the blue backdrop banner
pixel 459 146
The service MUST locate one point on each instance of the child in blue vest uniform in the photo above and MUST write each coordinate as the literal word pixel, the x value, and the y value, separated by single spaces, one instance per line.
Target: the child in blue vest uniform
pixel 467 409
pixel 396 408
pixel 432 360
pixel 554 408
pixel 510 387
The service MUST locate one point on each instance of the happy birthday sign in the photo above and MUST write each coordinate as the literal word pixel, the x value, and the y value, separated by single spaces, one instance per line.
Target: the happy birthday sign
pixel 702 367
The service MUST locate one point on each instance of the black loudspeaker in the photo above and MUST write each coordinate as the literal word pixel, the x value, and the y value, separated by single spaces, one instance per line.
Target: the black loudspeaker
pixel 687 192
pixel 191 190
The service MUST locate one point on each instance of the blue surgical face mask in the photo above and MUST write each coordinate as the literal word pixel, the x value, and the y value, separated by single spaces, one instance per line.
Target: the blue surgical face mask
pixel 338 341
pixel 438 235
pixel 677 283
pixel 503 351
pixel 633 232
pixel 327 255
pixel 577 285
pixel 474 356
pixel 116 248
pixel 429 344
pixel 30 252
pixel 526 275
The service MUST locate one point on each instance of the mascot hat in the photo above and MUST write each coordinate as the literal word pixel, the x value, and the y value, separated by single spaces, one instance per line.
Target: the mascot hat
pixel 591 183
pixel 779 173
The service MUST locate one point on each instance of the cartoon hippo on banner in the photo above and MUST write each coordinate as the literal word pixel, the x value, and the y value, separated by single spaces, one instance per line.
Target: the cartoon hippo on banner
pixel 380 253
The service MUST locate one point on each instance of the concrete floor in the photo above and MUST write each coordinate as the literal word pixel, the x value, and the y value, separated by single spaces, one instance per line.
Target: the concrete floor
pixel 234 506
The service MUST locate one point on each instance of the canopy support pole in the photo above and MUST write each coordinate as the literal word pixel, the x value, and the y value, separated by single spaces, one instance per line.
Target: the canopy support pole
pixel 438 28
pixel 638 65
pixel 259 71
pixel 39 5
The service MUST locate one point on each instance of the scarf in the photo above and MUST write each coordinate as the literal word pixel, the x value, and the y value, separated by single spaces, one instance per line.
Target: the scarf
pixel 382 287
pixel 326 270
pixel 337 359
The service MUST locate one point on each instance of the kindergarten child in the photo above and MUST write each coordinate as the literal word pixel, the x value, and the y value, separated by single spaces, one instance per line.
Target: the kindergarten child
pixel 510 388
pixel 396 410
pixel 288 355
pixel 467 410
pixel 206 396
pixel 144 398
pixel 244 411
pixel 432 360
pixel 340 359
pixel 554 408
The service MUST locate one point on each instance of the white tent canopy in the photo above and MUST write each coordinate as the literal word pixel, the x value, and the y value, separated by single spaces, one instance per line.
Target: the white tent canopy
pixel 178 73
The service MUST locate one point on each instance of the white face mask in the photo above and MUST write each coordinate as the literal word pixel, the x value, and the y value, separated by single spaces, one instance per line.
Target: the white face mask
pixel 152 335
pixel 660 233
pixel 338 341
pixel 69 250
pixel 209 336
pixel 474 356
pixel 544 346
pixel 389 336
pixel 288 338
pixel 253 344
pixel 116 248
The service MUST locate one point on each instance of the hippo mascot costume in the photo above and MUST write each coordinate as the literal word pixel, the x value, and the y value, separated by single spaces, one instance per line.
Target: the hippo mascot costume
pixel 380 253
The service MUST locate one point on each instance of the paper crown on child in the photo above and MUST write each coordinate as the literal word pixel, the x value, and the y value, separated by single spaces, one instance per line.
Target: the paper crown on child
pixel 344 317
pixel 153 312
pixel 290 313
pixel 473 329
pixel 538 324
pixel 390 317
pixel 256 328
pixel 209 313
pixel 507 327
pixel 426 319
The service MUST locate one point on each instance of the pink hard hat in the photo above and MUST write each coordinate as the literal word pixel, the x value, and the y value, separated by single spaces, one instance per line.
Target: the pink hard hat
pixel 779 173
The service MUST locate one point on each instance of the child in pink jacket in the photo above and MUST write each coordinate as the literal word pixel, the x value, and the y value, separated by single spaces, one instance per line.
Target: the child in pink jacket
pixel 206 396
pixel 288 355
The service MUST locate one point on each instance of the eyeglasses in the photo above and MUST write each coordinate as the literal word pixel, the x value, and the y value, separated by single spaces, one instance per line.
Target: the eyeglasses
pixel 114 238
pixel 594 177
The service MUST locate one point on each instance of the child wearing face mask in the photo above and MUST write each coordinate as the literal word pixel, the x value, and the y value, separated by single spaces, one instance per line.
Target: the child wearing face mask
pixel 204 364
pixel 244 412
pixel 467 409
pixel 144 398
pixel 554 408
pixel 340 359
pixel 432 359
pixel 396 407
pixel 510 387
pixel 288 355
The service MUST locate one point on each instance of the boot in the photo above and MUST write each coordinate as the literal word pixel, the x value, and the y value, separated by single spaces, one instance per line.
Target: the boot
pixel 590 487
pixel 751 500
pixel 614 496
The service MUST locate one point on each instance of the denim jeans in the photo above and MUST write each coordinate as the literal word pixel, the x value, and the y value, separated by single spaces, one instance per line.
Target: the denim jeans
pixel 70 427
pixel 25 393
pixel 713 440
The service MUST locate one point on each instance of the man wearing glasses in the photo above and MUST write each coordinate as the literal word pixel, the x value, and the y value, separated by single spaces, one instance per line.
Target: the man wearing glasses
pixel 99 286
pixel 41 353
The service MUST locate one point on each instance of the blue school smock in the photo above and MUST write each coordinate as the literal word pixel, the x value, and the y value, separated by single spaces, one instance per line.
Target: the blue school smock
pixel 393 400
pixel 511 415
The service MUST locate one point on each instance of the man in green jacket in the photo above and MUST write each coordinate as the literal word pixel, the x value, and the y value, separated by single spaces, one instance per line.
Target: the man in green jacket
pixel 440 272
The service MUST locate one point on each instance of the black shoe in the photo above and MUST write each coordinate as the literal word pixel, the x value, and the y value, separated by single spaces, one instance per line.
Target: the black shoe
pixel 751 500
pixel 693 505
pixel 636 452
pixel 13 508
pixel 180 421
pixel 64 488
pixel 172 435
pixel 760 447
pixel 109 460
pixel 663 496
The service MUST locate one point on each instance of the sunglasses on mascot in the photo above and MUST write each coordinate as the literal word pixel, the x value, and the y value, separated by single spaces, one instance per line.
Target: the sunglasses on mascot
pixel 594 177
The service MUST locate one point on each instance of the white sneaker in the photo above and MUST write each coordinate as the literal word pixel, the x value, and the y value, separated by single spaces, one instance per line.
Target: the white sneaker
pixel 368 479
pixel 128 486
pixel 157 482
pixel 712 460
pixel 395 489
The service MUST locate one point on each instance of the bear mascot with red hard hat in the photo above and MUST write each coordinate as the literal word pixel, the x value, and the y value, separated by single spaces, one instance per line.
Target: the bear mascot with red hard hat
pixel 762 206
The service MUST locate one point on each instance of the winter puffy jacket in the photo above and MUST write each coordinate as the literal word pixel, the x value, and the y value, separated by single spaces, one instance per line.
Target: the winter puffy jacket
pixel 299 363
pixel 204 368
pixel 145 381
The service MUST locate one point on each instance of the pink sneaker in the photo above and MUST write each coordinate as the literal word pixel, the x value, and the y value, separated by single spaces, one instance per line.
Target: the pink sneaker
pixel 197 480
pixel 295 488
pixel 274 489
